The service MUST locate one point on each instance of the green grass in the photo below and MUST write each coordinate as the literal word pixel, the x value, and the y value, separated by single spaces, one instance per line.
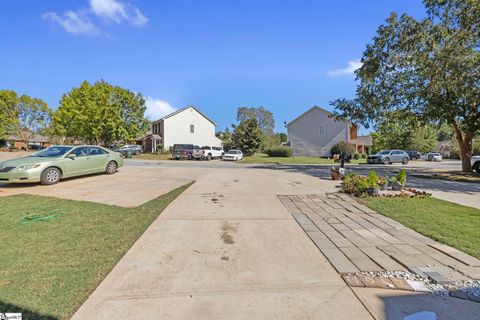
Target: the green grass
pixel 263 158
pixel 446 222
pixel 149 156
pixel 49 268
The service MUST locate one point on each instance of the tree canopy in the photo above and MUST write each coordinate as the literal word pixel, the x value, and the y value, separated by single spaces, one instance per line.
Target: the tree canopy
pixel 101 113
pixel 399 130
pixel 428 67
pixel 8 101
pixel 247 136
pixel 262 115
pixel 23 116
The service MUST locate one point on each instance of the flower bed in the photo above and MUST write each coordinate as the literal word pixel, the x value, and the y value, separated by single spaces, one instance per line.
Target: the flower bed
pixel 375 185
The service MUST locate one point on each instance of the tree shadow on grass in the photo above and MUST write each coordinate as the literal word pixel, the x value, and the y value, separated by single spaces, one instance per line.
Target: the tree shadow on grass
pixel 27 314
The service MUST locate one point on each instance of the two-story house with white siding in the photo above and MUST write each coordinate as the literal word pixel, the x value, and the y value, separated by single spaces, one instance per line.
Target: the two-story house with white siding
pixel 184 126
pixel 314 132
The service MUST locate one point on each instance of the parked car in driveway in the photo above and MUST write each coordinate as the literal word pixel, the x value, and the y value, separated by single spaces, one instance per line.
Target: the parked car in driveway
pixel 233 155
pixel 133 148
pixel 475 162
pixel 212 152
pixel 414 155
pixel 57 162
pixel 389 157
pixel 182 151
pixel 434 156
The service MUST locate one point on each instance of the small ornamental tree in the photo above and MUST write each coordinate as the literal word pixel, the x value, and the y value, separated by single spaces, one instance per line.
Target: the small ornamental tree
pixel 247 136
pixel 342 148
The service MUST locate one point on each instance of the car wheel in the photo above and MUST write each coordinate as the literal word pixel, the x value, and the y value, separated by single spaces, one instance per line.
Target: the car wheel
pixel 50 176
pixel 111 167
pixel 209 156
pixel 404 160
pixel 476 167
pixel 386 161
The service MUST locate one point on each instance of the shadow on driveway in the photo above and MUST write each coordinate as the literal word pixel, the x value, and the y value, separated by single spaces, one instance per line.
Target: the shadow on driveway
pixel 323 172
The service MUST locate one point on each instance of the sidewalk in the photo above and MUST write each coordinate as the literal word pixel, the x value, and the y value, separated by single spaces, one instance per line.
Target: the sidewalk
pixel 227 249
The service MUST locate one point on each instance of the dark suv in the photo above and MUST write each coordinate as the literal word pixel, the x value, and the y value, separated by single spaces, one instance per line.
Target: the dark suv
pixel 414 155
pixel 182 151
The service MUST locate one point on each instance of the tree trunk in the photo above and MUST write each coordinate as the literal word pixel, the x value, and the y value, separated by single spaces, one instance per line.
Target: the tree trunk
pixel 465 145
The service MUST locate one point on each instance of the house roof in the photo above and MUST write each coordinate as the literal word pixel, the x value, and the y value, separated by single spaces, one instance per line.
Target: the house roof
pixel 183 109
pixel 307 112
pixel 365 140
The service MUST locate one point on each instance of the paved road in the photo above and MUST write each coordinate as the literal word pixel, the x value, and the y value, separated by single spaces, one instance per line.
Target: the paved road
pixel 465 193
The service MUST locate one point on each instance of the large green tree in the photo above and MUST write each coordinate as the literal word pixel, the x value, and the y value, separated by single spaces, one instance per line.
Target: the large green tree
pixel 23 116
pixel 264 117
pixel 31 115
pixel 101 113
pixel 8 102
pixel 430 67
pixel 247 136
pixel 399 130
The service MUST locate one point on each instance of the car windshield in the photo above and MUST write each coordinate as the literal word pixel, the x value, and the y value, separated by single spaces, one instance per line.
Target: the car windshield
pixel 384 152
pixel 232 152
pixel 52 152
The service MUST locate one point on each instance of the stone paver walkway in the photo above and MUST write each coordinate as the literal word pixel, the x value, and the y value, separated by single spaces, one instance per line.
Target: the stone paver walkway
pixel 355 238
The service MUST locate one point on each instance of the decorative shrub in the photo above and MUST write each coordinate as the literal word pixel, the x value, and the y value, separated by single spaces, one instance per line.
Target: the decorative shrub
pixel 356 156
pixel 363 156
pixel 343 148
pixel 280 151
pixel 401 177
pixel 372 180
pixel 354 184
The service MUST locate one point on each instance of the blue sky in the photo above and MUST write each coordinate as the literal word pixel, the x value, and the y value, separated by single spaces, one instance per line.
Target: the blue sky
pixel 217 55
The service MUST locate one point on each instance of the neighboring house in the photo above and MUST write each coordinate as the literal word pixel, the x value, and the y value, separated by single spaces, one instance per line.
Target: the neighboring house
pixel 184 126
pixel 35 141
pixel 313 133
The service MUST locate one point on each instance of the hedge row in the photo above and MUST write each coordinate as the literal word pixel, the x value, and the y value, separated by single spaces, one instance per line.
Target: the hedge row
pixel 280 152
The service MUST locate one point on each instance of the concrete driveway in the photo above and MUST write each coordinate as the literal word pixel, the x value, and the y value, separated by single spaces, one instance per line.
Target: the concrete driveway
pixel 227 249
pixel 129 187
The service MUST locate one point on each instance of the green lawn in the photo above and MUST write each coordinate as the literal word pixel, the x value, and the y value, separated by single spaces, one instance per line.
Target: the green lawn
pixel 49 268
pixel 446 222
pixel 149 156
pixel 263 158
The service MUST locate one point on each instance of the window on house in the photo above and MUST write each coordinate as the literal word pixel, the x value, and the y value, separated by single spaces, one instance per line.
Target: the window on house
pixel 192 128
pixel 321 131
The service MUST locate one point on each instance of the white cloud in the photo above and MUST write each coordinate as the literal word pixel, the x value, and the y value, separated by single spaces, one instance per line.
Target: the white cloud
pixel 118 12
pixel 157 108
pixel 108 11
pixel 349 70
pixel 73 22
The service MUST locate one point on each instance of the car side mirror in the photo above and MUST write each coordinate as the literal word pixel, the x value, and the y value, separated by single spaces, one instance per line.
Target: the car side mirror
pixel 71 156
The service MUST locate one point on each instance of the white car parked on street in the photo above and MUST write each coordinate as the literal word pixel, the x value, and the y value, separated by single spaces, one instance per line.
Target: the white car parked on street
pixel 233 155
pixel 434 156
